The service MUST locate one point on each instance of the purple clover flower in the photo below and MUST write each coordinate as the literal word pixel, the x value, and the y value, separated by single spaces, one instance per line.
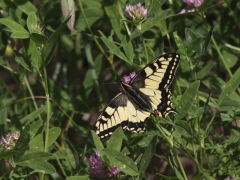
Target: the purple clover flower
pixel 98 168
pixel 136 12
pixel 195 3
pixel 10 141
pixel 127 79
pixel 229 178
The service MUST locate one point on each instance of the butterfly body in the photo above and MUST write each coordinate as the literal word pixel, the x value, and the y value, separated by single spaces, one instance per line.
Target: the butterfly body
pixel 146 94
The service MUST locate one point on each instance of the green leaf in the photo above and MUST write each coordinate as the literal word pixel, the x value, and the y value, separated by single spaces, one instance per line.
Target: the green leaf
pixel 6 155
pixel 147 156
pixel 59 95
pixel 20 35
pixel 37 144
pixel 207 40
pixel 205 5
pixel 32 116
pixel 194 47
pixel 150 23
pixel 22 61
pixel 98 144
pixel 45 167
pixel 48 50
pixel 187 100
pixel 111 8
pixel 83 177
pixel 33 55
pixel 182 50
pixel 115 142
pixel 205 70
pixel 228 105
pixel 34 127
pixel 166 177
pixel 25 6
pixel 127 45
pixel 22 143
pixel 15 27
pixel 230 87
pixel 38 38
pixel 53 37
pixel 32 21
pixel 92 15
pixel 113 48
pixel 53 135
pixel 190 35
pixel 34 158
pixel 121 161
pixel 75 157
pixel 183 128
pixel 3 117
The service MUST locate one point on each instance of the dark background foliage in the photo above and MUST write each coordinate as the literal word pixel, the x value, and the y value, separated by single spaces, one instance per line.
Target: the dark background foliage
pixel 62 61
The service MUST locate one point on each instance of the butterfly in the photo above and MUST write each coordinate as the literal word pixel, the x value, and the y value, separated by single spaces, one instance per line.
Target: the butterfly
pixel 144 95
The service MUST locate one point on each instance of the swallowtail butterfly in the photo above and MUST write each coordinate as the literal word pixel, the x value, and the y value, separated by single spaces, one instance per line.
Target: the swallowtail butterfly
pixel 146 94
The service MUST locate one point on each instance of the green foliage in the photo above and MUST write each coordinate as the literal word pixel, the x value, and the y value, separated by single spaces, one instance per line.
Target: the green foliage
pixel 57 59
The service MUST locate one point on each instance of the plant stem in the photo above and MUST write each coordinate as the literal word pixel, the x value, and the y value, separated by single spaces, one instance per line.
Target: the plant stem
pixel 179 164
pixel 94 38
pixel 221 57
pixel 31 94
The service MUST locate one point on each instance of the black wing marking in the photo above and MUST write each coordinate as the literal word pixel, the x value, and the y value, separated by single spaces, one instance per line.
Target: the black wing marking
pixel 120 112
pixel 158 74
pixel 160 100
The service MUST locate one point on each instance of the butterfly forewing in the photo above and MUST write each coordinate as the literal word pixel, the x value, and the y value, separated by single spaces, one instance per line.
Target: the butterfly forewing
pixel 146 94
pixel 158 74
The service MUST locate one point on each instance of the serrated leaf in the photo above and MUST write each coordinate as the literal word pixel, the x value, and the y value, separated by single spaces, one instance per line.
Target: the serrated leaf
pixel 33 56
pixel 22 143
pixel 179 44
